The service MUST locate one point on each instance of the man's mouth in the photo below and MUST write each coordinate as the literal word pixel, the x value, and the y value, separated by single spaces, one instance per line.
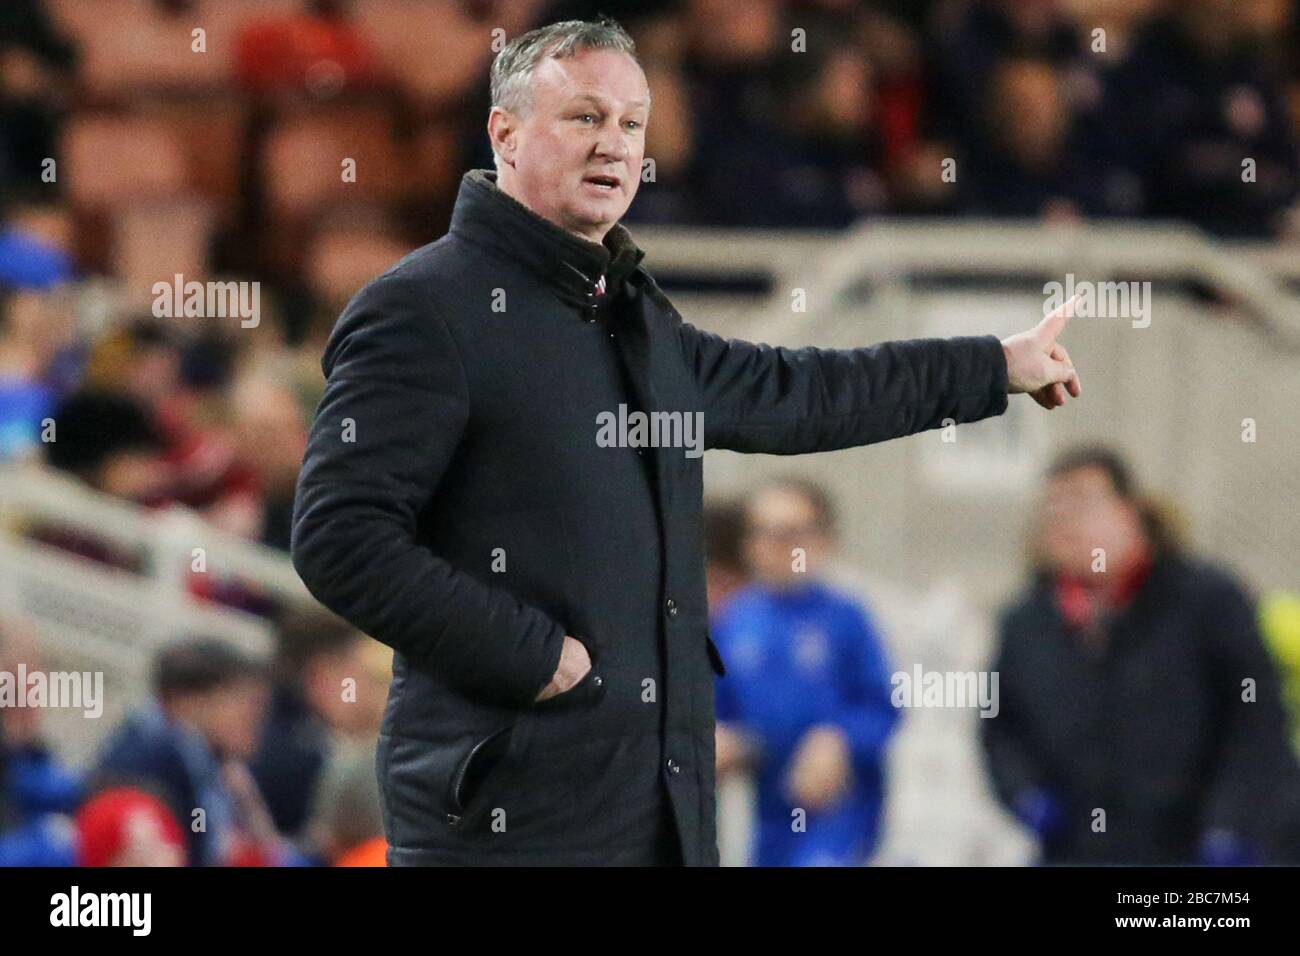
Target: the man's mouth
pixel 604 182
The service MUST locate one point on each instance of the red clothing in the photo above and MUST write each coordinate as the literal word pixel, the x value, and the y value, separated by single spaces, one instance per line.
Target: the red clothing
pixel 1081 605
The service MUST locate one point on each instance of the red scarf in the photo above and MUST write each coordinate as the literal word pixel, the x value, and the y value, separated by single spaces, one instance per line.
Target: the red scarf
pixel 1076 601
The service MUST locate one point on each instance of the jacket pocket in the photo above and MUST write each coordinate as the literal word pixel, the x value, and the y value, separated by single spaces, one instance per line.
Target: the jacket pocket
pixel 480 767
pixel 588 692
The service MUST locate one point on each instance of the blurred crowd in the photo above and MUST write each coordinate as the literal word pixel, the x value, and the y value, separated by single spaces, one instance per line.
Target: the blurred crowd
pixel 776 113
pixel 306 144
pixel 232 761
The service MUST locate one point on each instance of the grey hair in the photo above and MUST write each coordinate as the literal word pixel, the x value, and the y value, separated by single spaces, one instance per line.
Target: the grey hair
pixel 512 70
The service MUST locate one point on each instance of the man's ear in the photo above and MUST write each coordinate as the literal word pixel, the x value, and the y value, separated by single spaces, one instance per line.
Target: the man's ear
pixel 502 128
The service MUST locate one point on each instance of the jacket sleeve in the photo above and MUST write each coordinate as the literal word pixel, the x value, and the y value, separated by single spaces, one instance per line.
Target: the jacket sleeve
pixel 395 406
pixel 759 398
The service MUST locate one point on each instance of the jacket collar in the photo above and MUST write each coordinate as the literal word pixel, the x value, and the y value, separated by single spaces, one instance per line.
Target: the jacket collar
pixel 486 216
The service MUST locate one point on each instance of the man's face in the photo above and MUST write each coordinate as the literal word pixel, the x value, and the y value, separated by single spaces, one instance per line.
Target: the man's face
pixel 781 520
pixel 230 717
pixel 575 156
pixel 349 689
pixel 1081 512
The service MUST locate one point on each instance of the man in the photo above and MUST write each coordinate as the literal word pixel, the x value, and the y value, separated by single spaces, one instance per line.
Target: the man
pixel 328 688
pixel 208 707
pixel 552 698
pixel 1136 692
pixel 807 702
pixel 37 792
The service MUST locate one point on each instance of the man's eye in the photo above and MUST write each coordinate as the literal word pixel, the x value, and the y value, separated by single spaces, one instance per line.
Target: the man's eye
pixel 633 124
pixel 584 117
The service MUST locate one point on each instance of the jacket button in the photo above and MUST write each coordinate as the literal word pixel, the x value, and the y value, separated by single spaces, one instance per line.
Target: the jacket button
pixel 598 680
pixel 674 767
pixel 453 819
pixel 672 607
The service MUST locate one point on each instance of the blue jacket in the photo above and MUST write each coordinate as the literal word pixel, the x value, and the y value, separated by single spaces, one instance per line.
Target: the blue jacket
pixel 42 795
pixel 174 761
pixel 796 659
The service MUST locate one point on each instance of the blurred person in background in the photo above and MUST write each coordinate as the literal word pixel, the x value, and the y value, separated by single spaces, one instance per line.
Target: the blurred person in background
pixel 1195 101
pixel 1028 166
pixel 971 39
pixel 208 708
pixel 109 441
pixel 35 325
pixel 36 235
pixel 271 436
pixel 127 826
pixel 1279 621
pixel 724 553
pixel 37 73
pixel 317 49
pixel 1134 683
pixel 37 793
pixel 139 358
pixel 811 137
pixel 347 826
pixel 829 147
pixel 329 687
pixel 673 196
pixel 806 697
pixel 230 446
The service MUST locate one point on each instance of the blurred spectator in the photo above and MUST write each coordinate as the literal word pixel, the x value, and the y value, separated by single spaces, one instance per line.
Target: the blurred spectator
pixel 807 151
pixel 971 39
pixel 671 197
pixel 36 71
pixel 1193 104
pixel 1279 622
pixel 318 50
pixel 806 698
pixel 347 824
pixel 33 250
pixel 37 793
pixel 108 441
pixel 330 684
pixel 34 327
pixel 724 557
pixel 124 826
pixel 207 713
pixel 1028 165
pixel 1134 684
pixel 271 437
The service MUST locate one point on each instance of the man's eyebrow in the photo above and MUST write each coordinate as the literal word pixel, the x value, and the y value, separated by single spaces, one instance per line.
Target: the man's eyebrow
pixel 632 104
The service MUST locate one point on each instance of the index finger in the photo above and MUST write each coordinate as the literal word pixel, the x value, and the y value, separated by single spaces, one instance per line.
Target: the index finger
pixel 1055 320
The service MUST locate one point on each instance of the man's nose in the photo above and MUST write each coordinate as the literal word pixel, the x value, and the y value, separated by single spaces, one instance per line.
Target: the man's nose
pixel 611 146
